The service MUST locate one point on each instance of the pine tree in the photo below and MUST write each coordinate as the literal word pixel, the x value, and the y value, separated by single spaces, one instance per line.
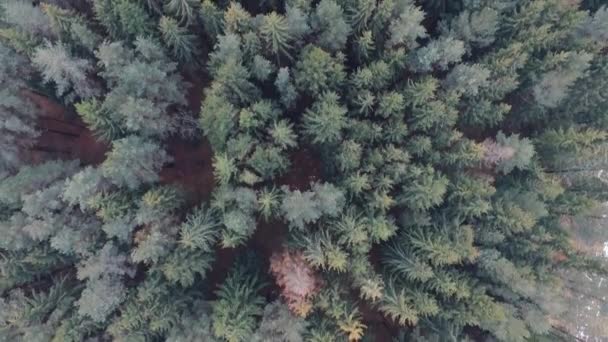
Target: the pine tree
pixel 123 19
pixel 200 230
pixel 275 31
pixel 508 153
pixel 16 113
pixel 177 38
pixel 134 161
pixel 279 324
pixel 438 53
pixel 238 306
pixel 476 28
pixel 426 189
pixel 329 20
pixel 325 120
pixel 104 290
pixel 284 85
pixel 317 72
pixel 436 166
pixel 236 207
pixel 407 29
pixel 467 79
pixel 183 9
pixel 554 85
pixel 217 120
pixel 152 310
pixel 211 18
pixel 24 26
pixel 69 26
pixel 34 315
pixel 301 208
pixel 68 73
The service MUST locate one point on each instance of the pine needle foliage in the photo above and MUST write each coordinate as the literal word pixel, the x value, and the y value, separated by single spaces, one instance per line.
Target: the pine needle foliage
pixel 437 167
pixel 238 306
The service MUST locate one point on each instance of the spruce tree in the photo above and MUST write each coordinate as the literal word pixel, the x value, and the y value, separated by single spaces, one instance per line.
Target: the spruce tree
pixel 407 170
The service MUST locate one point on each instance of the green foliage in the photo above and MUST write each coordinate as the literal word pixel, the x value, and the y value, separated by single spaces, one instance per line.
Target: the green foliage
pixel 200 230
pixel 301 208
pixel 16 113
pixel 83 187
pixel 236 208
pixel 524 150
pixel 467 79
pixel 152 310
pixel 100 121
pixel 134 161
pixel 268 203
pixel 22 267
pixel 183 9
pixel 217 120
pixel 433 165
pixel 32 178
pixel 193 325
pixel 406 306
pixel 261 68
pixel 158 204
pixel 211 17
pixel 317 72
pixel 554 85
pixel 329 20
pixel 284 85
pixel 123 19
pixel 70 27
pixel 476 28
pixel 278 324
pixel 27 18
pixel 426 189
pixel 69 74
pixel 407 28
pixel 275 32
pixel 100 298
pixel 238 307
pixel 438 53
pixel 32 315
pixel 132 106
pixel 325 120
pixel 183 265
pixel 177 38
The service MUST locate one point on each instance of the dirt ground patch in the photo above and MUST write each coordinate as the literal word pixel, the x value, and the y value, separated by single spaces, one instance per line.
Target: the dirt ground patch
pixel 63 135
pixel 305 168
pixel 191 168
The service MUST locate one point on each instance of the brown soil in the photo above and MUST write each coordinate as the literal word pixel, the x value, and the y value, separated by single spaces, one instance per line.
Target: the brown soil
pixel 62 134
pixel 198 81
pixel 191 168
pixel 305 169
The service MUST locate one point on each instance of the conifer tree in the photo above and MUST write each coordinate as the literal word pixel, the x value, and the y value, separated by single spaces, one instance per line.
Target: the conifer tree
pixel 177 38
pixel 435 167
pixel 238 306
pixel 67 73
pixel 134 161
pixel 17 114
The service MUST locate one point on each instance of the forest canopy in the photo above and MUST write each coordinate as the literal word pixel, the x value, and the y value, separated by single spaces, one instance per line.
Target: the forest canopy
pixel 303 170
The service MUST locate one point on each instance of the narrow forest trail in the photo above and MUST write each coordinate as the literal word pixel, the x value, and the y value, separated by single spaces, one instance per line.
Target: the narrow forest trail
pixel 62 134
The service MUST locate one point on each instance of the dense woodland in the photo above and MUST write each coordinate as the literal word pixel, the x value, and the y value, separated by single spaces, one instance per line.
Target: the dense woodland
pixel 303 170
